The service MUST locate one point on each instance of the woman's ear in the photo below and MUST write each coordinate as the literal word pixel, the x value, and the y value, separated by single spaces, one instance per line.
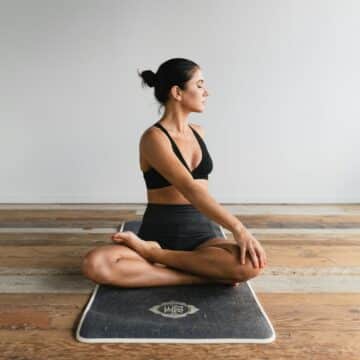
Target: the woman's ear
pixel 176 92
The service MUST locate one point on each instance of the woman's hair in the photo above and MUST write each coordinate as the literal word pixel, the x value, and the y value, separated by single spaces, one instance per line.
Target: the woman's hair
pixel 172 72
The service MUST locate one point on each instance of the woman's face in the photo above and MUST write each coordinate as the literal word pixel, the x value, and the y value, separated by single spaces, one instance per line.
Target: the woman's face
pixel 193 98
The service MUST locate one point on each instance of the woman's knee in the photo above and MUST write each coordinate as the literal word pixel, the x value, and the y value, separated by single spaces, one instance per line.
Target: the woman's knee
pixel 247 271
pixel 243 272
pixel 95 265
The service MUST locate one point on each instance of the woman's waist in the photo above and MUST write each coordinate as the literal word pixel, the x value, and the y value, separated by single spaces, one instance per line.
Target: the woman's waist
pixel 173 213
pixel 177 229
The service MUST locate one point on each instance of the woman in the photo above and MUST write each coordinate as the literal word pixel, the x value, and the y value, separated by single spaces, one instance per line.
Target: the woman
pixel 179 241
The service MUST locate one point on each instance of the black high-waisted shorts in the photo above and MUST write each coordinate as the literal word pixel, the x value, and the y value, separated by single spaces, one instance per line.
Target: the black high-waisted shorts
pixel 177 226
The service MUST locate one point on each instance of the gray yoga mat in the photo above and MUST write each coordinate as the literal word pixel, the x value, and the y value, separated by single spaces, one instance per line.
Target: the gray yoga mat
pixel 204 313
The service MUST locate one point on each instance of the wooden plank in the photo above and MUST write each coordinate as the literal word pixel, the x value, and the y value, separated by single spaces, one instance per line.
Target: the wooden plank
pixel 45 284
pixel 63 238
pixel 290 344
pixel 300 221
pixel 101 236
pixel 63 215
pixel 263 283
pixel 338 312
pixel 304 209
pixel 236 208
pixel 103 218
pixel 39 256
pixel 55 236
pixel 298 236
pixel 65 218
pixel 270 270
pixel 71 206
pixel 307 284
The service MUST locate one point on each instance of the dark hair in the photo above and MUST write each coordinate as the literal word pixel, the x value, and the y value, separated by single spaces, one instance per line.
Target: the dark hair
pixel 176 71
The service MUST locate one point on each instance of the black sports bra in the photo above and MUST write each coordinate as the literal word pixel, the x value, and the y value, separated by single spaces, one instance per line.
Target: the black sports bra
pixel 154 180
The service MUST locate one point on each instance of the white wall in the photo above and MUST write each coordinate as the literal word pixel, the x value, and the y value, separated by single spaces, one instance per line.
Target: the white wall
pixel 282 120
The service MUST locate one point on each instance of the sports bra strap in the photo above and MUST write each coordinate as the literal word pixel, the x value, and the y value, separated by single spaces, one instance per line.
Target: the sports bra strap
pixel 174 146
pixel 164 130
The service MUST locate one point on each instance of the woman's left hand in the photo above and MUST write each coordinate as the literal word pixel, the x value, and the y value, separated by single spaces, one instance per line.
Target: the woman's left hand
pixel 248 243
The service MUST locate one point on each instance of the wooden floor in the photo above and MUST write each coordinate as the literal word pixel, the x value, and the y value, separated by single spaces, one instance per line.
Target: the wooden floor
pixel 310 289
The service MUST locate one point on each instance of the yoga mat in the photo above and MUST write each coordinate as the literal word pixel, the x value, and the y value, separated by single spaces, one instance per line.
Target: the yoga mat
pixel 204 313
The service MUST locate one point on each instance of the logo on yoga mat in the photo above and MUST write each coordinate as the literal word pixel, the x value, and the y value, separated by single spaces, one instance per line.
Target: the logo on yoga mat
pixel 174 309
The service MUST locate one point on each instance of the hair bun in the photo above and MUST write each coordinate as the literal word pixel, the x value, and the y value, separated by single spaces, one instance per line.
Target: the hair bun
pixel 149 77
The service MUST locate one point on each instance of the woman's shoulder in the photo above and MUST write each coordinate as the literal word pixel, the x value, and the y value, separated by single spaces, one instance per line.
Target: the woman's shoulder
pixel 152 131
pixel 152 134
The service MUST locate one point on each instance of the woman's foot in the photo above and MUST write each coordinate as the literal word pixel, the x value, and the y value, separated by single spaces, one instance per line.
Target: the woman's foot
pixel 143 248
pixel 131 240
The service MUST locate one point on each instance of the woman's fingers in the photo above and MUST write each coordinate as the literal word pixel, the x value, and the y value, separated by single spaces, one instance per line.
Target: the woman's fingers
pixel 262 260
pixel 259 255
pixel 262 256
pixel 115 236
pixel 252 253
pixel 242 254
pixel 118 233
pixel 247 242
pixel 253 256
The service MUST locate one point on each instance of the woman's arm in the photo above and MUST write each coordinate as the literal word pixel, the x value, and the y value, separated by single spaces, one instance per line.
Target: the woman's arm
pixel 157 149
pixel 205 203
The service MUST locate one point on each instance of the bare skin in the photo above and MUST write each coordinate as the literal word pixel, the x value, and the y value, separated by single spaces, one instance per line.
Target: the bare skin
pixel 133 262
pixel 121 266
pixel 175 121
pixel 212 262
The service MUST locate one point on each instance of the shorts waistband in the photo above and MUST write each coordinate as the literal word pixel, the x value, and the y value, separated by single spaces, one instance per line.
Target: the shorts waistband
pixel 173 213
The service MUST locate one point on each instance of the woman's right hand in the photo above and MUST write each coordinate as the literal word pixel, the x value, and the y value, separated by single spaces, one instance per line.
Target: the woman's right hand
pixel 247 242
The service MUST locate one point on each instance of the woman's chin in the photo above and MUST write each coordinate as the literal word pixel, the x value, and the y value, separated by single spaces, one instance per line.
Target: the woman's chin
pixel 199 109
